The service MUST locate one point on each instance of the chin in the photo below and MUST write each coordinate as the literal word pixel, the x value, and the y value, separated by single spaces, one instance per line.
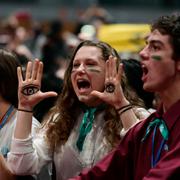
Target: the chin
pixel 89 101
pixel 83 98
pixel 148 88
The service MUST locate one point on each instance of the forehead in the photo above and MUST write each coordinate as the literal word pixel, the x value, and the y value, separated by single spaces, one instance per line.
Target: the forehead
pixel 156 36
pixel 88 52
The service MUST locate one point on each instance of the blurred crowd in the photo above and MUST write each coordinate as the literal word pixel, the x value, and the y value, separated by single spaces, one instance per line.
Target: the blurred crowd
pixel 52 42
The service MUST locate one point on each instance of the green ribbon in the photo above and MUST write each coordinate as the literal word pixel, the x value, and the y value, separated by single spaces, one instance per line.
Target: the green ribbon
pixel 162 128
pixel 86 126
pixel 87 122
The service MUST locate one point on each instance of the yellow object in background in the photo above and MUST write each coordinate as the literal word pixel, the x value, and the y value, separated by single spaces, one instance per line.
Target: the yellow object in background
pixel 124 37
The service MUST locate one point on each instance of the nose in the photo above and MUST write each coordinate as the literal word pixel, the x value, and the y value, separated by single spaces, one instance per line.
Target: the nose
pixel 81 68
pixel 144 54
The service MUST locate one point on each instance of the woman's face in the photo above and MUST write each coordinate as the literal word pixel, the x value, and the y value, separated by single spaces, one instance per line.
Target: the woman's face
pixel 88 74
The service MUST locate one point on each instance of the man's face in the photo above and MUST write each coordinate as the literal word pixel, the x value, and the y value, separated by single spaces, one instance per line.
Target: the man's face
pixel 88 73
pixel 159 69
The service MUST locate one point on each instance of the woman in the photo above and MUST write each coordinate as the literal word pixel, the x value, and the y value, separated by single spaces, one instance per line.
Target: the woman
pixel 88 119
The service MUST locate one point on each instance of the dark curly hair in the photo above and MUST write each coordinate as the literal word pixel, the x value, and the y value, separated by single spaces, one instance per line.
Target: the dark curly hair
pixel 170 25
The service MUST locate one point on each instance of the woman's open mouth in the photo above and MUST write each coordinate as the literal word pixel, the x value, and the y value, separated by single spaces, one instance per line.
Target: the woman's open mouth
pixel 83 85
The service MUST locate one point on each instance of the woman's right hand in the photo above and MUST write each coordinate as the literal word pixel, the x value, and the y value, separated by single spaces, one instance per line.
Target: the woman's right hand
pixel 29 92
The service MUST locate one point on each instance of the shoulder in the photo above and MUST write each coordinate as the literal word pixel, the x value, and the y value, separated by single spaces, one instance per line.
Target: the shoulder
pixel 142 113
pixel 35 122
pixel 139 129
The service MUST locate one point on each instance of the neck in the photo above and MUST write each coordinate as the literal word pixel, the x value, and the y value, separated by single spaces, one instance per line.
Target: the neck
pixel 170 96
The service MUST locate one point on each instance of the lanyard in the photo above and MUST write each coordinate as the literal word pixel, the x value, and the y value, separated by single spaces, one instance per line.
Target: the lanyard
pixel 155 159
pixel 5 118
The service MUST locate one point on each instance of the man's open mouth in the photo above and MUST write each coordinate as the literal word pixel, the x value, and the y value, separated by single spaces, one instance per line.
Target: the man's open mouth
pixel 144 69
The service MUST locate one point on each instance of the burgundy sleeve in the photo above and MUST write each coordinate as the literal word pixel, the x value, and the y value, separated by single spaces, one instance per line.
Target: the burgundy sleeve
pixel 168 167
pixel 116 165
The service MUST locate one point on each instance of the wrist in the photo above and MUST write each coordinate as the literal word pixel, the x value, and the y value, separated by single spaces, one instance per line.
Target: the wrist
pixel 25 110
pixel 121 105
pixel 124 109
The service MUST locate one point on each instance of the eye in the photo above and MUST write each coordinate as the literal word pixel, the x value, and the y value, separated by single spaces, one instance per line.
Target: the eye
pixel 30 89
pixel 75 65
pixel 90 64
pixel 154 47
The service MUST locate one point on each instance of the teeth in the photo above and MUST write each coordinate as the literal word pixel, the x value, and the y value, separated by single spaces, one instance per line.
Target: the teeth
pixel 143 66
pixel 80 80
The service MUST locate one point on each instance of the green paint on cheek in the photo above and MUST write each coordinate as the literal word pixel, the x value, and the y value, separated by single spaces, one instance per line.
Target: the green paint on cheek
pixel 94 70
pixel 157 58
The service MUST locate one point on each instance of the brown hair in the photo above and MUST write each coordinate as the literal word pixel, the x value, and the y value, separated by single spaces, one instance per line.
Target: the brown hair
pixel 67 106
pixel 8 77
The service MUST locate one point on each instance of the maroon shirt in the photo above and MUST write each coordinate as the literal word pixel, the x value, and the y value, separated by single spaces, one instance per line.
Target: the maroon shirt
pixel 132 158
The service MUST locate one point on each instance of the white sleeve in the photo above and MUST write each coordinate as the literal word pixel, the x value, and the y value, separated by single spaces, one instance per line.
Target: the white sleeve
pixel 35 126
pixel 28 156
pixel 141 114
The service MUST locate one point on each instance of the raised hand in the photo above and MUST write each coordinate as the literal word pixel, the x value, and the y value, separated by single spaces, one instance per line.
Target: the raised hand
pixel 29 92
pixel 113 93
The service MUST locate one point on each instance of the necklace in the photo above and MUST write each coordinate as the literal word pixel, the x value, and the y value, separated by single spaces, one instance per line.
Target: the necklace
pixel 6 115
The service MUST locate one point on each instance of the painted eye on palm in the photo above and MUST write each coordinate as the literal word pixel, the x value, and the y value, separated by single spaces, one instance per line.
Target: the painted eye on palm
pixel 30 89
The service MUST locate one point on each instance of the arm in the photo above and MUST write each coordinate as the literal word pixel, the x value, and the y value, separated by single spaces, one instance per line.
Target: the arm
pixel 27 154
pixel 29 95
pixel 117 98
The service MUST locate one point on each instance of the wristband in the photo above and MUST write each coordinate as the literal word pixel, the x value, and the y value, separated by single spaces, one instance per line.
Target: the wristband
pixel 24 110
pixel 121 108
pixel 124 110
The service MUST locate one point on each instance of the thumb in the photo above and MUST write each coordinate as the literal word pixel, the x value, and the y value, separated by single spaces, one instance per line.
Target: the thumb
pixel 49 94
pixel 98 94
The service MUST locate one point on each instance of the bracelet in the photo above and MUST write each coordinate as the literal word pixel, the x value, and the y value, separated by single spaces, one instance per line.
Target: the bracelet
pixel 24 110
pixel 124 110
pixel 121 108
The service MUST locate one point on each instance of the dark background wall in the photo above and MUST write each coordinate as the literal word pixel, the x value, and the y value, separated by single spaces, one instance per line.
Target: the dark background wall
pixel 139 11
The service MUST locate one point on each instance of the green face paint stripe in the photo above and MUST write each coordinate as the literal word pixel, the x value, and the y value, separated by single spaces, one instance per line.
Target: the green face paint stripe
pixel 157 58
pixel 88 69
pixel 94 70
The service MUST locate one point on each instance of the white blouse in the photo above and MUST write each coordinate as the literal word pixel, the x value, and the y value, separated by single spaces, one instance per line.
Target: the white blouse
pixel 28 156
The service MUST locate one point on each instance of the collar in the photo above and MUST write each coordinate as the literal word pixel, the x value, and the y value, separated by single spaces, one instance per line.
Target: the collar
pixel 171 115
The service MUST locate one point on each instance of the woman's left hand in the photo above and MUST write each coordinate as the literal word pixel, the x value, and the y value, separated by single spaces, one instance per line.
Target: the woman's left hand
pixel 113 93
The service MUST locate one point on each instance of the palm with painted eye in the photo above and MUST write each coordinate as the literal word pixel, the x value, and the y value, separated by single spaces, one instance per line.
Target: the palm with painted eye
pixel 113 77
pixel 29 92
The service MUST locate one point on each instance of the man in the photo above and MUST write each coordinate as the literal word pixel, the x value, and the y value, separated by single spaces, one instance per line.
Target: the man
pixel 151 149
